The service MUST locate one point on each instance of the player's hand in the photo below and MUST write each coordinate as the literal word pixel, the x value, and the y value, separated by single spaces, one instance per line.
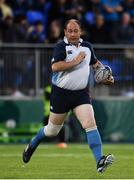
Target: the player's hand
pixel 109 80
pixel 80 57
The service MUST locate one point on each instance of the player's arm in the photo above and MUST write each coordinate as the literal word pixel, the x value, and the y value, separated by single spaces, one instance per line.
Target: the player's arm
pixel 97 65
pixel 110 79
pixel 62 65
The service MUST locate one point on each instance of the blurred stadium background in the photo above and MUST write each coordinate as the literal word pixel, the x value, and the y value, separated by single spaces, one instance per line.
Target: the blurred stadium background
pixel 29 30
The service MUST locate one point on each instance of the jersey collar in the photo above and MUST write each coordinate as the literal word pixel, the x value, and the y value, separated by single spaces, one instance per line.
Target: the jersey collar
pixel 66 41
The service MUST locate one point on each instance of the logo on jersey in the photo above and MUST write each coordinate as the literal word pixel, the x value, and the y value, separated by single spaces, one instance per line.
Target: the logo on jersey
pixel 69 52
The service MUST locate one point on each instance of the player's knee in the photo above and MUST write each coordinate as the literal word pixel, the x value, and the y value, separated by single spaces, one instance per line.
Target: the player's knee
pixel 88 124
pixel 52 129
pixel 85 125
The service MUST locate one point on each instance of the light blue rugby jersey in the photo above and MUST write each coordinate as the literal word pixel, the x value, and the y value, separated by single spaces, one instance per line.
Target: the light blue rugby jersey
pixel 76 78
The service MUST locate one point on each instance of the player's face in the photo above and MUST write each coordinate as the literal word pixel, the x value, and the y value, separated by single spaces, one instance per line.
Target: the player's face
pixel 72 33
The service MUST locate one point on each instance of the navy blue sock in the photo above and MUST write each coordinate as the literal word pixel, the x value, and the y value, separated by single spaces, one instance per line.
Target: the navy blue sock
pixel 94 142
pixel 38 138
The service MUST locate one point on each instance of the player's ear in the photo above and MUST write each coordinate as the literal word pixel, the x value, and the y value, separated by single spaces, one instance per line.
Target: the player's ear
pixel 82 32
pixel 65 31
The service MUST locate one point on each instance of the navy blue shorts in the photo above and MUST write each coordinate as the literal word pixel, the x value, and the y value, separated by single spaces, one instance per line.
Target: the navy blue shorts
pixel 63 100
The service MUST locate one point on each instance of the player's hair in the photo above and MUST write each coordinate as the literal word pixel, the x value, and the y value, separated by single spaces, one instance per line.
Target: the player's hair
pixel 72 20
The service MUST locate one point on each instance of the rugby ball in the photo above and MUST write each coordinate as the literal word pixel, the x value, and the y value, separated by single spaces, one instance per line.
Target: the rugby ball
pixel 102 74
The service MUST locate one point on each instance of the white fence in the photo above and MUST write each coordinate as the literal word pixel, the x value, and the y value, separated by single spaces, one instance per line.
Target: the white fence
pixel 26 68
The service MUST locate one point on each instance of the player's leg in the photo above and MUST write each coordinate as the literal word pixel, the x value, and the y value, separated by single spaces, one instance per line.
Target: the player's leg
pixel 85 114
pixel 58 112
pixel 55 123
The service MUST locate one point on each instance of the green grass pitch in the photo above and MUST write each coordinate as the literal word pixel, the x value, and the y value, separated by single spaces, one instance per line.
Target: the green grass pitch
pixel 74 162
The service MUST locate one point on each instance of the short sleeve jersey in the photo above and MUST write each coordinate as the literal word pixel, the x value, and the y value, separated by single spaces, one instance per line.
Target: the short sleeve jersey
pixel 75 78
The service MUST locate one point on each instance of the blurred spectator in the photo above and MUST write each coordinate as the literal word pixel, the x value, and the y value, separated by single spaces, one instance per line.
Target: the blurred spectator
pixel 57 10
pixel 54 32
pixel 14 31
pixel 19 6
pixel 96 6
pixel 21 26
pixel 34 16
pixel 97 31
pixel 65 9
pixel 5 9
pixel 37 33
pixel 92 8
pixel 8 30
pixel 124 33
pixel 128 6
pixel 43 6
pixel 111 10
pixel 75 9
pixel 50 13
